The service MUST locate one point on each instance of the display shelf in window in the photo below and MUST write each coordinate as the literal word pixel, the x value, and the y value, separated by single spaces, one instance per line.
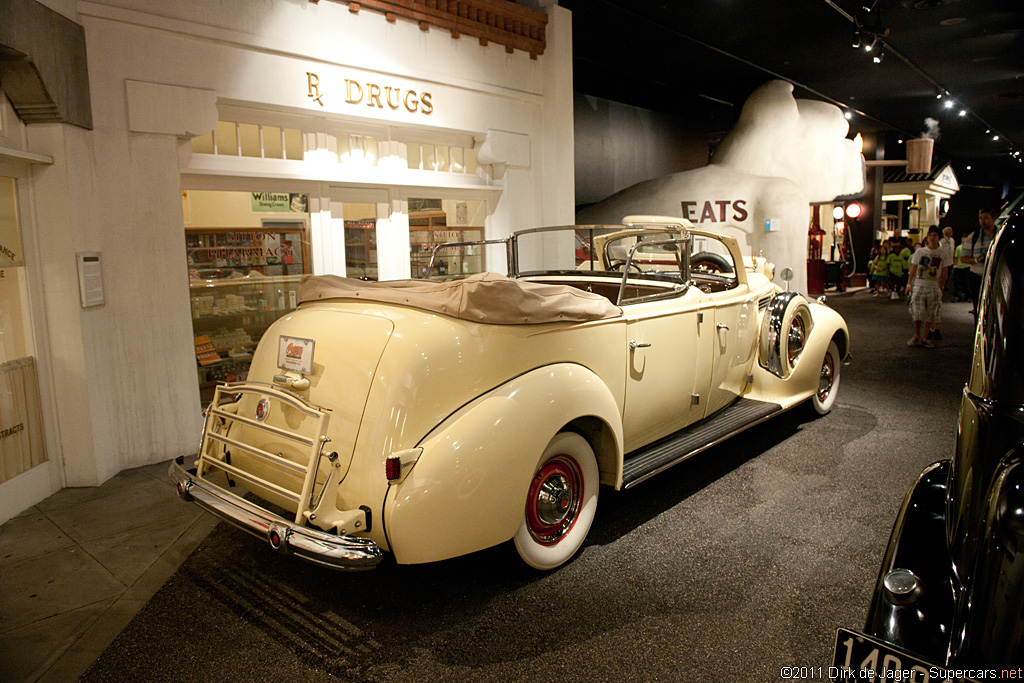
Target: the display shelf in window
pixel 240 282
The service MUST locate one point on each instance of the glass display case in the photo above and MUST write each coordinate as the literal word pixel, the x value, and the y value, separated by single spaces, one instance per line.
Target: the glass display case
pixel 426 231
pixel 240 281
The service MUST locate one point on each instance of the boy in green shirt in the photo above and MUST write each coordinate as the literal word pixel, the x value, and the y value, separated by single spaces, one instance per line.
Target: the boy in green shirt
pixel 879 269
pixel 897 266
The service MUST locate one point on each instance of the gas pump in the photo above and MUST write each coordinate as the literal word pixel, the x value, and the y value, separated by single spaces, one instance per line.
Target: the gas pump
pixel 815 263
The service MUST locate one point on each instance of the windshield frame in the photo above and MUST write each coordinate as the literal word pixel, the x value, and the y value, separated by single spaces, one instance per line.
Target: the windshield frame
pixel 596 237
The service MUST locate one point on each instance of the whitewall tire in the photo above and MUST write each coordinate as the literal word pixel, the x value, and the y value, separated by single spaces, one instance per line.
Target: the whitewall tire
pixel 828 381
pixel 560 503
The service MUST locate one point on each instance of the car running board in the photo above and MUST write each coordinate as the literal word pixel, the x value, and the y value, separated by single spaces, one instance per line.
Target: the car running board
pixel 659 456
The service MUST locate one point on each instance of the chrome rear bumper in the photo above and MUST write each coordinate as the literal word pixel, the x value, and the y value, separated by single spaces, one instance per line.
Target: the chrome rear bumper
pixel 329 550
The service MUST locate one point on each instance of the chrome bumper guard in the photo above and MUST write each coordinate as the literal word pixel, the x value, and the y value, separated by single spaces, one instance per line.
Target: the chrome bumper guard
pixel 336 552
pixel 319 545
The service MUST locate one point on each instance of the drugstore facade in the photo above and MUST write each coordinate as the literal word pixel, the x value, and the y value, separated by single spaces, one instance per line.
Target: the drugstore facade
pixel 230 149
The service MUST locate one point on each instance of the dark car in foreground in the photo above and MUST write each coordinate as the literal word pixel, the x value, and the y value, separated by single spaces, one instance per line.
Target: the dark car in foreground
pixel 949 601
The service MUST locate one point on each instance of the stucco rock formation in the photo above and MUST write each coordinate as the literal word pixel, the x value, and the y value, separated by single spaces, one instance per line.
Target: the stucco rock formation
pixel 783 155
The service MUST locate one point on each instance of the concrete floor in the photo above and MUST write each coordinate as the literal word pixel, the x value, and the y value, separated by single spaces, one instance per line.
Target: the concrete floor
pixel 744 559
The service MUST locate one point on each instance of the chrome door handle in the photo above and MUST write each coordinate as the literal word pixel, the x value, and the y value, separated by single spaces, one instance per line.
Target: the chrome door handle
pixel 634 345
pixel 721 326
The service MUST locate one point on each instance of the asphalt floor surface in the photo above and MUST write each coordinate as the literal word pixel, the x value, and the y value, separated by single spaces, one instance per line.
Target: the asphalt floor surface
pixel 731 566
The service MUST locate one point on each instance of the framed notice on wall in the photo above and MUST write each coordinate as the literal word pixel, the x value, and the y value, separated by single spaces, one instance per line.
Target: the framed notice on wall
pixel 90 278
pixel 278 202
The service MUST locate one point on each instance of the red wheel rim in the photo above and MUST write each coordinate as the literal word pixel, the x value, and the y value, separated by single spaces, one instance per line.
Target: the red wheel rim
pixel 825 381
pixel 553 502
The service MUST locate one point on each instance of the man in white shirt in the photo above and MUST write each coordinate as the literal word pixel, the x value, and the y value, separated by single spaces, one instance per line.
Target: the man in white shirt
pixel 947 244
pixel 976 250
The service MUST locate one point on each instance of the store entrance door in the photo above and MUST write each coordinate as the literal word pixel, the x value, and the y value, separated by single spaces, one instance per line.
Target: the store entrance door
pixel 24 479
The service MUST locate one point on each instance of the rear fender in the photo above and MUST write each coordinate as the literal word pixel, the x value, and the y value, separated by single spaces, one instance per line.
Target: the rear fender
pixel 468 488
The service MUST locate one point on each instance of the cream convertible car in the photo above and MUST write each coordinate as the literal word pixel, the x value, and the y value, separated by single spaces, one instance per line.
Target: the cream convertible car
pixel 430 419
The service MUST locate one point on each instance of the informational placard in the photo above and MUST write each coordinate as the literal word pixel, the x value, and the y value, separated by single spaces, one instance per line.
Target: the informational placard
pixel 296 354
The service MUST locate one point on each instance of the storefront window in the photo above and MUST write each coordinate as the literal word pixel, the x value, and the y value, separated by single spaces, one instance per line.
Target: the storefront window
pixel 246 252
pixel 439 221
pixel 360 240
pixel 21 435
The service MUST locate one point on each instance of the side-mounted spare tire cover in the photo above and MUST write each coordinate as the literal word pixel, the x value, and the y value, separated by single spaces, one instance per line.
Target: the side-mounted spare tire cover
pixel 784 330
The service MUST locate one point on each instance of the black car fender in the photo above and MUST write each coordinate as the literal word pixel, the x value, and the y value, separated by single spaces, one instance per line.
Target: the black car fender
pixel 989 623
pixel 918 545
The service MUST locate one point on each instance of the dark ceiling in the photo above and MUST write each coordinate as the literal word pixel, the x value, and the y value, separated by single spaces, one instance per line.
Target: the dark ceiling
pixel 700 59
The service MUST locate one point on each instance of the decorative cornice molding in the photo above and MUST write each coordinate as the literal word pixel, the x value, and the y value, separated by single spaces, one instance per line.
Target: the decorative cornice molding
pixel 498 21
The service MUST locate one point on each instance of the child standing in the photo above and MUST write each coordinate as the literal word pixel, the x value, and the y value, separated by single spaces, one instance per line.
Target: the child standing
pixel 897 266
pixel 879 270
pixel 927 278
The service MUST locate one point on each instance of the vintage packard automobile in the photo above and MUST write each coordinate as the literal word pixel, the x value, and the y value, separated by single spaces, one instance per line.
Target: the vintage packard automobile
pixel 949 601
pixel 431 419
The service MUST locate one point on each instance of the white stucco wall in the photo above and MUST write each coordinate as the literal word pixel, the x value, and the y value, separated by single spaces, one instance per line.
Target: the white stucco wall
pixel 618 145
pixel 125 371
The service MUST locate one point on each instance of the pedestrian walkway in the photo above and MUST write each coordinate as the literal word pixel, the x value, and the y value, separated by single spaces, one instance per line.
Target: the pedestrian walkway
pixel 76 568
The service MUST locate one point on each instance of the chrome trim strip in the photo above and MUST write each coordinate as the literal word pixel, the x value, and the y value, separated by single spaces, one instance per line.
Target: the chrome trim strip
pixel 313 545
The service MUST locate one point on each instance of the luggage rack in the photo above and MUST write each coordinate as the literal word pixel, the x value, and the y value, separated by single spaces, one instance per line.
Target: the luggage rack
pixel 223 412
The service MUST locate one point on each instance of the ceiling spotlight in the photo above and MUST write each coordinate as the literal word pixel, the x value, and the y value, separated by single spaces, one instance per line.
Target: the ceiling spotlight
pixel 968 168
pixel 848 115
pixel 853 210
pixel 878 58
pixel 938 95
pixel 948 104
pixel 963 112
pixel 871 46
pixel 856 39
pixel 995 137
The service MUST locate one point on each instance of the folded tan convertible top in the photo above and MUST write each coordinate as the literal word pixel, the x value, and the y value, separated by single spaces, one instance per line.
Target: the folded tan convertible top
pixel 486 298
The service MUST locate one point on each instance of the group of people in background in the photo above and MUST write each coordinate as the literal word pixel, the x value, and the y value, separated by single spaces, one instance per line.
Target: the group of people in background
pixel 928 270
pixel 889 265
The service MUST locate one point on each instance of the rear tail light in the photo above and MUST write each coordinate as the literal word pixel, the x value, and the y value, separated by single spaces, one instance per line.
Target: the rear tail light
pixel 399 463
pixel 393 468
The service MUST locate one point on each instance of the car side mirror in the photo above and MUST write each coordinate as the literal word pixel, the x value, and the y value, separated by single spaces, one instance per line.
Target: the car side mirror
pixel 786 274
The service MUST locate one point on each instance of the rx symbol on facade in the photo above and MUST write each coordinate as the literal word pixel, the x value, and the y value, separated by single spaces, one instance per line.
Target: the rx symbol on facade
pixel 314 88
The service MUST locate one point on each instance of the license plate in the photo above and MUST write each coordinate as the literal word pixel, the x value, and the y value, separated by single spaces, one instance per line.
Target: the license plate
pixel 295 353
pixel 858 657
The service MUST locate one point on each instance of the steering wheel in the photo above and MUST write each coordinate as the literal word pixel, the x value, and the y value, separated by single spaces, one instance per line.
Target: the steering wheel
pixel 710 262
pixel 618 265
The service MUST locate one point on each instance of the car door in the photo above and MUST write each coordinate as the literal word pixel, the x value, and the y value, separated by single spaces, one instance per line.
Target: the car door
pixel 735 320
pixel 732 311
pixel 662 340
